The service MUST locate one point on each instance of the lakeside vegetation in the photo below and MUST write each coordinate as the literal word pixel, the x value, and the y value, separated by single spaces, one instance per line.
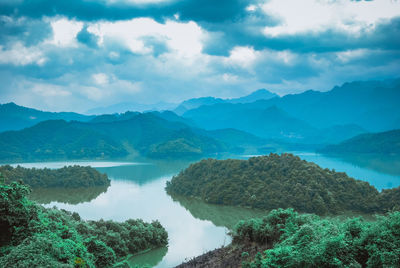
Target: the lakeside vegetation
pixel 294 240
pixel 66 177
pixel 280 181
pixel 33 236
pixel 72 196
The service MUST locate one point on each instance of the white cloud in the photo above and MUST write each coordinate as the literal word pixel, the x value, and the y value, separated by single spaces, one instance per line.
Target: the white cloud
pixel 230 78
pixel 100 79
pixel 64 32
pixel 21 55
pixel 107 86
pixel 348 55
pixel 319 15
pixel 49 90
pixel 251 8
pixel 242 56
pixel 286 56
pixel 183 38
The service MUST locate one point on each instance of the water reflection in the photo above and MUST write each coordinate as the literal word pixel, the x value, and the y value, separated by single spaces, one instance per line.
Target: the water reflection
pixel 151 258
pixel 84 163
pixel 389 164
pixel 226 216
pixel 142 174
pixel 377 178
pixel 188 236
pixel 66 195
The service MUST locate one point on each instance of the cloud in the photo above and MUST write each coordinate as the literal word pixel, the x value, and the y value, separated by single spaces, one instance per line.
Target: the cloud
pixel 86 53
pixel 64 31
pixel 205 10
pixel 141 35
pixel 320 15
pixel 87 38
pixel 20 55
pixel 27 31
pixel 242 56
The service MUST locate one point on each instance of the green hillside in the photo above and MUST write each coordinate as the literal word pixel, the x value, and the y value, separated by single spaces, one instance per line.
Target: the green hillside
pixel 387 143
pixel 66 177
pixel 279 181
pixel 105 138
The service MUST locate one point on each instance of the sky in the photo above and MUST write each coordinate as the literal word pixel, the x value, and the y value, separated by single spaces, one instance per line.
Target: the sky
pixel 75 55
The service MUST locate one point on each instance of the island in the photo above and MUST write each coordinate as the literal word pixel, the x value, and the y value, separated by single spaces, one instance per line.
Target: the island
pixel 66 177
pixel 280 181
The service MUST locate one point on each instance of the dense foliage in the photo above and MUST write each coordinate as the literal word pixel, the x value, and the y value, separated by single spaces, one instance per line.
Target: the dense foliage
pixel 279 181
pixel 58 139
pixel 372 143
pixel 293 240
pixel 66 177
pixel 33 236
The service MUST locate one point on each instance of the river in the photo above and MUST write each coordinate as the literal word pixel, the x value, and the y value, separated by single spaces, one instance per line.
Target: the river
pixel 137 191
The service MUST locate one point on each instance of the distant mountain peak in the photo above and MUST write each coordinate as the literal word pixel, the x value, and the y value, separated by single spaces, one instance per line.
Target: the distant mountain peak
pixel 260 94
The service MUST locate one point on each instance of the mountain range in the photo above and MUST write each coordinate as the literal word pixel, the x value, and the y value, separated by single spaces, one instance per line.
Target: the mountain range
pixel 140 134
pixel 311 116
pixel 261 121
pixel 261 94
pixel 15 117
pixel 122 107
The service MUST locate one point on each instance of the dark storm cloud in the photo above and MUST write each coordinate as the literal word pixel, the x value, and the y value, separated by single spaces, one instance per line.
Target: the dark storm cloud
pixel 205 10
pixel 227 21
pixel 28 31
pixel 87 38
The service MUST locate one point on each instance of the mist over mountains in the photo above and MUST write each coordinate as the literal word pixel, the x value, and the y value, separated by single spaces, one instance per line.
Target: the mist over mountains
pixel 371 105
pixel 204 125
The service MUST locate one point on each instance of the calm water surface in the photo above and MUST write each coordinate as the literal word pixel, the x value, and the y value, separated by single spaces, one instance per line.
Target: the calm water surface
pixel 137 191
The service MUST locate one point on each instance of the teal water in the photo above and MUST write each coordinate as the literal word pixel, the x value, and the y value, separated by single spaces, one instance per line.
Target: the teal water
pixel 137 191
pixel 381 174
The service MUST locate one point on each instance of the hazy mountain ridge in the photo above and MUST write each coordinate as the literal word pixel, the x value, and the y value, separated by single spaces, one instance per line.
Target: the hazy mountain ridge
pixel 270 122
pixel 348 110
pixel 122 107
pixel 261 94
pixel 311 117
pixel 387 143
pixel 15 117
pixel 142 134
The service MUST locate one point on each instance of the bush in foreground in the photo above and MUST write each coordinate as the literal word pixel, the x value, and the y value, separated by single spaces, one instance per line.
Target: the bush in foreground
pixel 35 236
pixel 309 241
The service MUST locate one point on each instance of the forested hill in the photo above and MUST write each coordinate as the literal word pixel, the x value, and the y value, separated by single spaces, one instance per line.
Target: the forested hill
pixel 279 181
pixel 66 177
pixel 141 134
pixel 15 117
pixel 34 236
pixel 372 143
